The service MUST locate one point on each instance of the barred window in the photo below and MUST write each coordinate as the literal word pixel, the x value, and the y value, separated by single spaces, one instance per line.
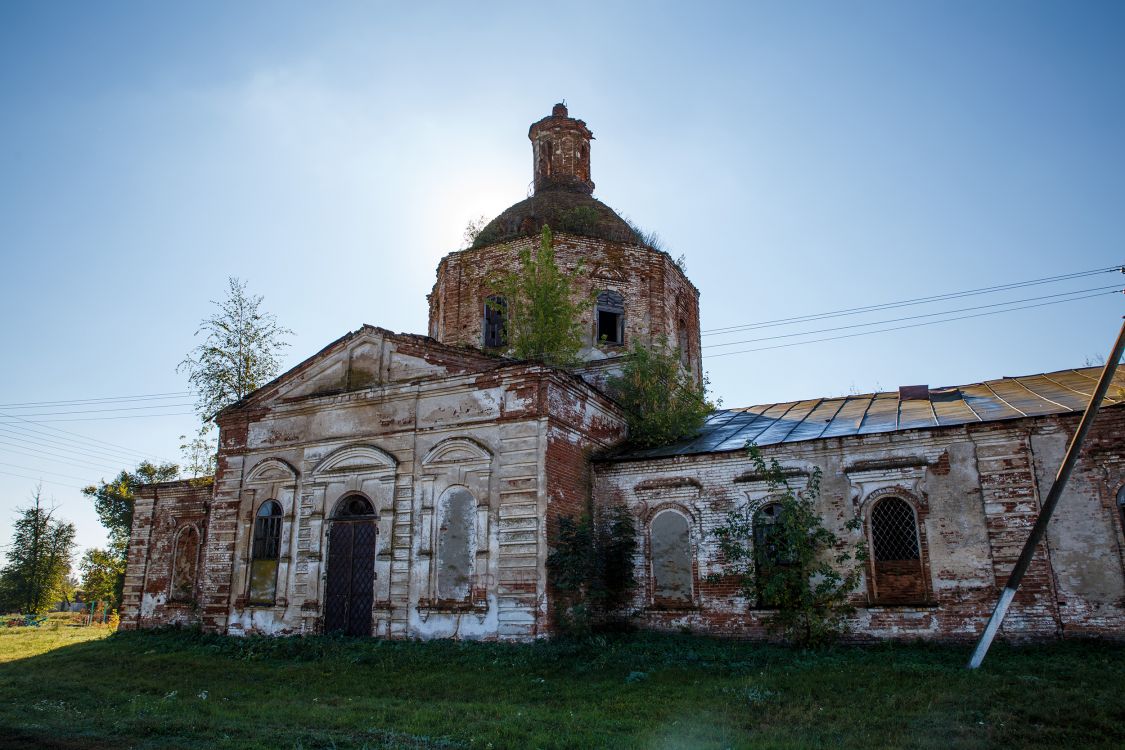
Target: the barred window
pixel 265 553
pixel 897 571
pixel 894 535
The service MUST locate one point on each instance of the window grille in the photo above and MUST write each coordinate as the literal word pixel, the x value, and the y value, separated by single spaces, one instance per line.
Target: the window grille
pixel 265 553
pixel 894 534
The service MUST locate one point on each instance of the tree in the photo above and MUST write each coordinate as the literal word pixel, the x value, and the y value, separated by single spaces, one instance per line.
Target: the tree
pixel 794 565
pixel 542 319
pixel 102 572
pixel 240 352
pixel 592 568
pixel 113 502
pixel 38 559
pixel 662 402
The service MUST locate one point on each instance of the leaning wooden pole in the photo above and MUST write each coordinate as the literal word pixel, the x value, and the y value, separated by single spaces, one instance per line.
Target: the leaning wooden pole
pixel 1049 504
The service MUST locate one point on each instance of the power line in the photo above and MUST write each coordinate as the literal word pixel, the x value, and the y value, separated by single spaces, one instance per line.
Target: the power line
pixel 910 302
pixel 76 434
pixel 23 432
pixel 914 317
pixel 98 419
pixel 99 411
pixel 44 471
pixel 41 480
pixel 55 456
pixel 9 434
pixel 105 399
pixel 912 325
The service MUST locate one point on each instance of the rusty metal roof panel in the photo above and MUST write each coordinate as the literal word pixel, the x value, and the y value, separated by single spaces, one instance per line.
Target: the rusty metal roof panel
pixel 817 420
pixel 726 430
pixel 882 416
pixel 1019 398
pixel 982 400
pixel 916 413
pixel 849 417
pixel 950 407
pixel 785 422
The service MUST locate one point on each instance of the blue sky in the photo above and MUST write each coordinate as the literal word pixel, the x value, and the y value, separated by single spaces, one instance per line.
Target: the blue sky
pixel 804 157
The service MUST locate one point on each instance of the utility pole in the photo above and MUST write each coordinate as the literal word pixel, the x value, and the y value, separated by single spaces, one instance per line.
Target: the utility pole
pixel 1049 504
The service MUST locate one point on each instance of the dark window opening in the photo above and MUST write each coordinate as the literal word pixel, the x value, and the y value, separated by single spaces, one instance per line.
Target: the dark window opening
pixel 1121 505
pixel 355 506
pixel 896 556
pixel 769 552
pixel 495 318
pixel 611 317
pixel 265 554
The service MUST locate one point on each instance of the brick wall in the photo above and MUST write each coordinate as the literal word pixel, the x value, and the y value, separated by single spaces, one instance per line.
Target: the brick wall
pixel 162 511
pixel 976 492
pixel 659 298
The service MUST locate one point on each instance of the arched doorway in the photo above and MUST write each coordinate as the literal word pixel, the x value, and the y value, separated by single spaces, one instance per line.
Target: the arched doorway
pixel 350 588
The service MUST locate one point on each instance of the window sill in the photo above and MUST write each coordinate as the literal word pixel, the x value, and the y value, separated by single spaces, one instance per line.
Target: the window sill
pixel 902 605
pixel 672 607
pixel 426 608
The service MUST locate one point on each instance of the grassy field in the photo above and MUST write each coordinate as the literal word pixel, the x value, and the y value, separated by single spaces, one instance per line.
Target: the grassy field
pixel 73 687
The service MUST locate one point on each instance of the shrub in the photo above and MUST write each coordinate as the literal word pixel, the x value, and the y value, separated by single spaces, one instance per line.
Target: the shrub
pixel 662 402
pixel 800 568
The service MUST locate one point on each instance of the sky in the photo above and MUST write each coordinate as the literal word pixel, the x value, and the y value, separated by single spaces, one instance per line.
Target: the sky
pixel 803 158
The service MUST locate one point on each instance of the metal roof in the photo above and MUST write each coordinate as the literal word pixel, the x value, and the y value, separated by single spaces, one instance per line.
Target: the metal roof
pixel 908 409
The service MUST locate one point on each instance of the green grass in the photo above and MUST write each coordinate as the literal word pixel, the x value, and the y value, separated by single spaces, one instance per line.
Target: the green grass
pixel 70 687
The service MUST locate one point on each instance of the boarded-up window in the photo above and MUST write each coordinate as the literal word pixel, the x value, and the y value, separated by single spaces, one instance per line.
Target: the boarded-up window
pixel 457 544
pixel 611 317
pixel 495 310
pixel 897 563
pixel 670 538
pixel 184 562
pixel 265 553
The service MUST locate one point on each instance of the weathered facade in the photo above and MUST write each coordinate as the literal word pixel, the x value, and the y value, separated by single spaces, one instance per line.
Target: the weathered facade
pixel 408 486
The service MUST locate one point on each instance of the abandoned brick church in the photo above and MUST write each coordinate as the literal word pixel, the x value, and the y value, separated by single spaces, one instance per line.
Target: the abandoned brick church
pixel 407 486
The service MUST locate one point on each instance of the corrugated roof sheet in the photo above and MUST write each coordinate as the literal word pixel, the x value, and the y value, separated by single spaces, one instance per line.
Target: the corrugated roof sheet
pixel 1007 398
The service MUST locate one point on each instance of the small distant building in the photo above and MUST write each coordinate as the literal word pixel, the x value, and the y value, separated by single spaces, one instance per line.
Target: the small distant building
pixel 406 486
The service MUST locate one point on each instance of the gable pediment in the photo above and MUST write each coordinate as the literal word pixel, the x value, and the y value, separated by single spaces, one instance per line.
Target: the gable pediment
pixel 367 358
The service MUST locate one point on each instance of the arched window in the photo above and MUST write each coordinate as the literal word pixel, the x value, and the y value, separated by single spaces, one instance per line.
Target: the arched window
pixel 265 554
pixel 1121 505
pixel 354 506
pixel 768 551
pixel 184 561
pixel 456 544
pixel 495 316
pixel 670 538
pixel 611 317
pixel 895 553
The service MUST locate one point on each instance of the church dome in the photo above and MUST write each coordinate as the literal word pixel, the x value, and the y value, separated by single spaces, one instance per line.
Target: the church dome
pixel 561 160
pixel 564 211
